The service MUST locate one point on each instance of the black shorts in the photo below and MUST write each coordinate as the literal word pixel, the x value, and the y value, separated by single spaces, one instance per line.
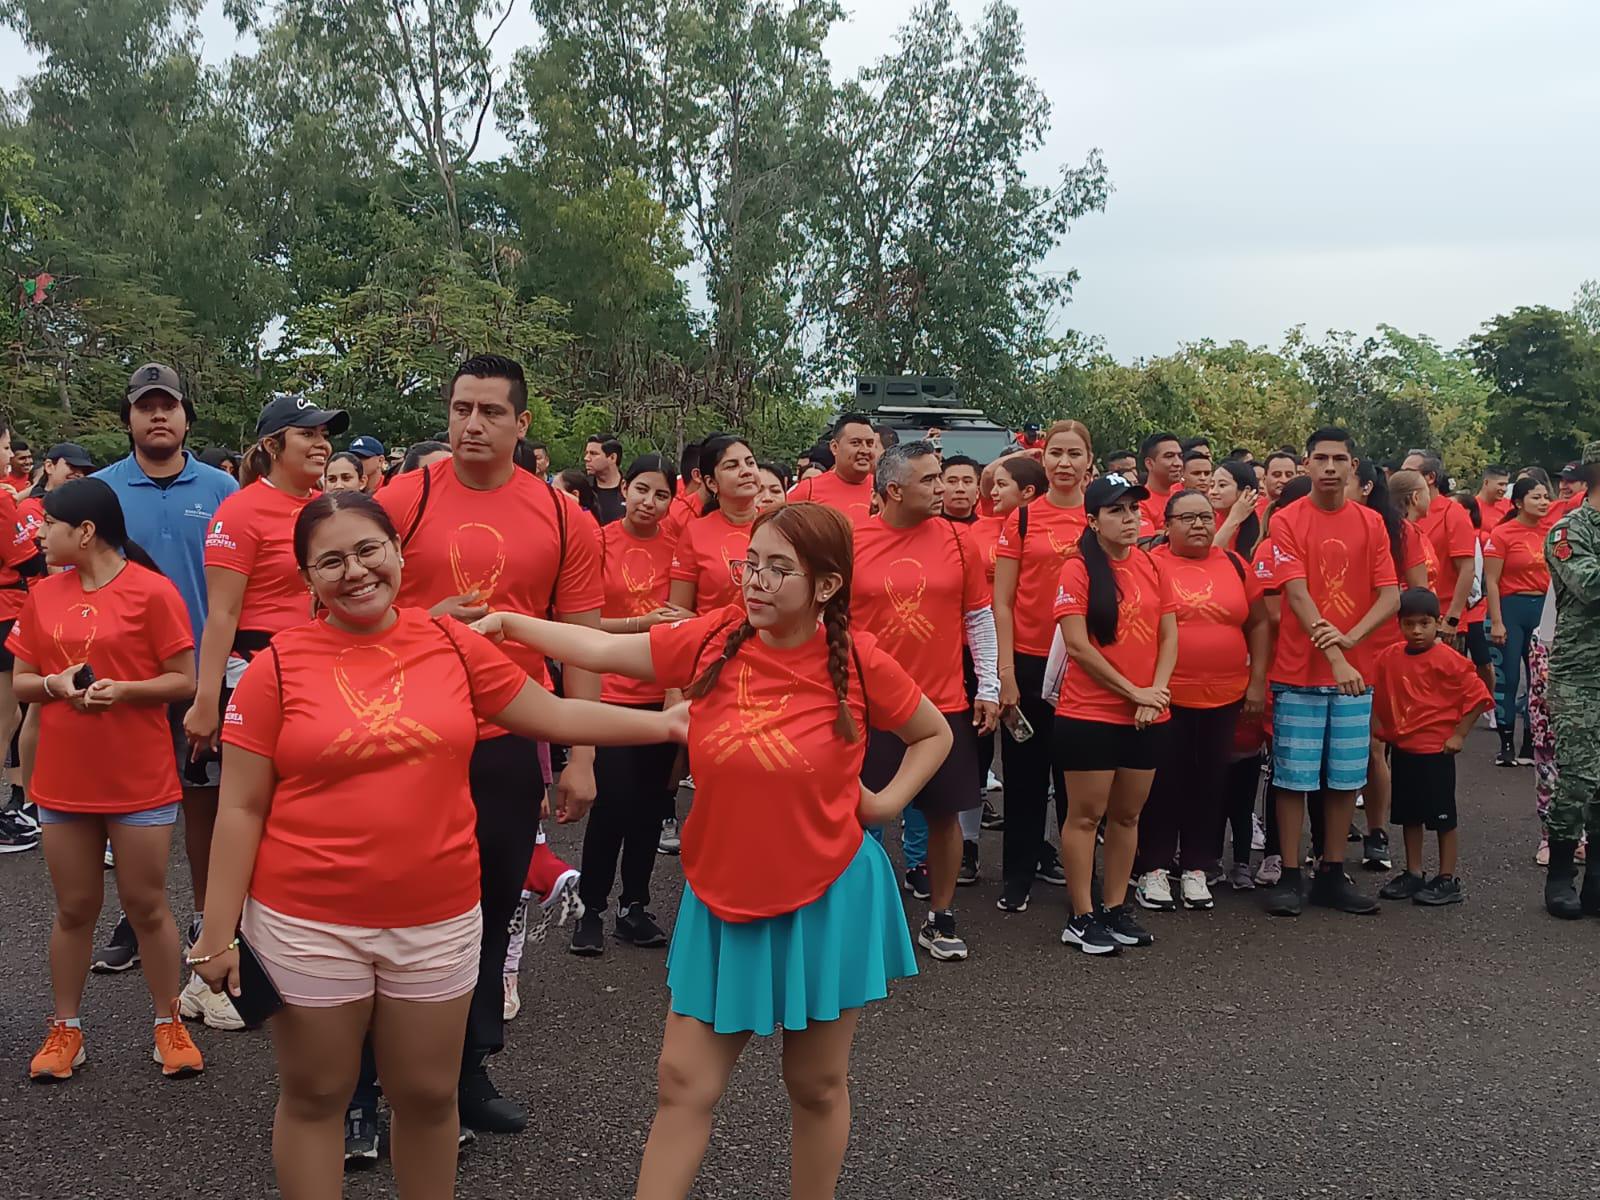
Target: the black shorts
pixel 954 786
pixel 1477 644
pixel 7 659
pixel 1080 745
pixel 1423 790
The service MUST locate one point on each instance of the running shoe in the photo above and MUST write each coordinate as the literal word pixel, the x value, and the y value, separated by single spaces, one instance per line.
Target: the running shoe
pixel 464 1138
pixel 16 834
pixel 1439 891
pixel 992 783
pixel 1375 851
pixel 1283 898
pixel 1240 879
pixel 1124 927
pixel 61 1054
pixel 1154 891
pixel 483 1107
pixel 968 874
pixel 197 1002
pixel 558 906
pixel 992 818
pixel 588 936
pixel 1089 935
pixel 360 1137
pixel 1507 755
pixel 1402 887
pixel 511 1001
pixel 688 782
pixel 669 842
pixel 1352 834
pixel 938 937
pixel 121 952
pixel 1013 898
pixel 1270 871
pixel 1215 875
pixel 518 928
pixel 638 927
pixel 916 882
pixel 1050 868
pixel 1258 833
pixel 1334 889
pixel 1525 754
pixel 1196 892
pixel 109 859
pixel 175 1049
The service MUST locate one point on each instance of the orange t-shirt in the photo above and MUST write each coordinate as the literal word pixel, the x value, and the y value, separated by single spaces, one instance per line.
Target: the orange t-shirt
pixel 16 547
pixel 1051 539
pixel 1417 551
pixel 705 551
pixel 1153 510
pixel 911 588
pixel 1144 595
pixel 522 547
pixel 253 535
pixel 1419 699
pixel 1264 567
pixel 1521 548
pixel 776 789
pixel 370 737
pixel 854 500
pixel 982 536
pixel 1344 558
pixel 30 511
pixel 1417 543
pixel 1492 514
pixel 119 760
pixel 1449 528
pixel 1214 595
pixel 685 507
pixel 637 573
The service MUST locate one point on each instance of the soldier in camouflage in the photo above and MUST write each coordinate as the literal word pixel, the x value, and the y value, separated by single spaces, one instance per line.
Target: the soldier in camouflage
pixel 1573 552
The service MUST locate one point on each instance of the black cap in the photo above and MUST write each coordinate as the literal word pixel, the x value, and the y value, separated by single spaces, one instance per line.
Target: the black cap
pixel 1571 473
pixel 297 411
pixel 367 446
pixel 1109 489
pixel 74 454
pixel 154 377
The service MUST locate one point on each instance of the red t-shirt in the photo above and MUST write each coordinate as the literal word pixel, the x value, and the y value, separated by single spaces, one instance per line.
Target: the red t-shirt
pixel 1492 514
pixel 253 535
pixel 685 507
pixel 370 736
pixel 910 588
pixel 1264 567
pixel 1344 558
pixel 1419 699
pixel 1144 595
pixel 637 573
pixel 16 547
pixel 119 760
pixel 776 789
pixel 505 546
pixel 1214 595
pixel 1153 509
pixel 1051 539
pixel 982 536
pixel 854 500
pixel 1449 528
pixel 705 551
pixel 1521 548
pixel 1417 551
pixel 30 511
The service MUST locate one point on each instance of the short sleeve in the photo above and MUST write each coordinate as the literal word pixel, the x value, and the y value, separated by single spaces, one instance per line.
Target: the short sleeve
pixel 255 710
pixel 167 621
pixel 1164 589
pixel 976 592
pixel 495 680
pixel 1254 587
pixel 233 538
pixel 1072 590
pixel 1383 572
pixel 685 568
pixel 1261 570
pixel 1470 689
pixel 16 539
pixel 1460 537
pixel 1414 547
pixel 892 697
pixel 580 588
pixel 1288 555
pixel 800 491
pixel 1494 547
pixel 23 640
pixel 1009 543
pixel 676 649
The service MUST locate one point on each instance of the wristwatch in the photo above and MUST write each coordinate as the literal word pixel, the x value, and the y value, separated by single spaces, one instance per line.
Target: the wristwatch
pixel 1453 622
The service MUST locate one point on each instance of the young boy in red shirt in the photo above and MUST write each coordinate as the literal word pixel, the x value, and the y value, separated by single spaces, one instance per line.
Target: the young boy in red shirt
pixel 1426 699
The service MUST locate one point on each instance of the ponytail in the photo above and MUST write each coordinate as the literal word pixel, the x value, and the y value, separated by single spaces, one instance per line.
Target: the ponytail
pixel 1104 597
pixel 135 553
pixel 257 462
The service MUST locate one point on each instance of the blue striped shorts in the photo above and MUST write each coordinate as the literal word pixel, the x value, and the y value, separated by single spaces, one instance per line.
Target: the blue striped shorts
pixel 1320 739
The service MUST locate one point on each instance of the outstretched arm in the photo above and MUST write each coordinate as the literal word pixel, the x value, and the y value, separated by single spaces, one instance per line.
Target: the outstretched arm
pixel 579 646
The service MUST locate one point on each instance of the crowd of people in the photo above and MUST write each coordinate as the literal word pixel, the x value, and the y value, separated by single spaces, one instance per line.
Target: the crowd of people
pixel 362 679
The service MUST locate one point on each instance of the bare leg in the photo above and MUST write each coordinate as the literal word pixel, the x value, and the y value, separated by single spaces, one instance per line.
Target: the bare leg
pixel 10 716
pixel 418 1049
pixel 199 821
pixel 1088 794
pixel 1129 791
pixel 1291 816
pixel 142 854
pixel 28 747
pixel 1338 810
pixel 693 1073
pixel 319 1056
pixel 1379 787
pixel 816 1071
pixel 1447 851
pixel 73 853
pixel 944 859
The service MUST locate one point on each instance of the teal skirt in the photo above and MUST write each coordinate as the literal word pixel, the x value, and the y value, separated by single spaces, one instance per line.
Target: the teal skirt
pixel 837 953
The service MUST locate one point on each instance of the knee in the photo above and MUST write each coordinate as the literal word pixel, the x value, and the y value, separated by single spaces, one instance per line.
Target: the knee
pixel 424 1098
pixel 814 1090
pixel 146 910
pixel 682 1084
pixel 76 913
pixel 306 1095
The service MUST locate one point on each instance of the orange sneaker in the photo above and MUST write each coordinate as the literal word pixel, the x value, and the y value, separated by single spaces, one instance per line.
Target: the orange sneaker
pixel 175 1049
pixel 61 1053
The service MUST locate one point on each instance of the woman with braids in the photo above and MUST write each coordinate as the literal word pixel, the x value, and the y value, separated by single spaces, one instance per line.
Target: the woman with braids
pixel 791 916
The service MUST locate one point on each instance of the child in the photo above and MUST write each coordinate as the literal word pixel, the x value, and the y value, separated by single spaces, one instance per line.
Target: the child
pixel 1426 699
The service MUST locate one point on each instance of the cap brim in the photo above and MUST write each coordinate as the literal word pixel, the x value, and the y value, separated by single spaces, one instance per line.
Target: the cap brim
pixel 145 389
pixel 1132 491
pixel 336 419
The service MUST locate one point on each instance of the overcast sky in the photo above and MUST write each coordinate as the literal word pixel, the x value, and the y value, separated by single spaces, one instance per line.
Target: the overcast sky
pixel 1425 163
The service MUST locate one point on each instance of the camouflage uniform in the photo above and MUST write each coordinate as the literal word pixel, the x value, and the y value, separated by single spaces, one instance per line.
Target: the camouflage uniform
pixel 1573 552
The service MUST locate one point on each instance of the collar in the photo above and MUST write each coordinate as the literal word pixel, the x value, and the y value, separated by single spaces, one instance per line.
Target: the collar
pixel 136 476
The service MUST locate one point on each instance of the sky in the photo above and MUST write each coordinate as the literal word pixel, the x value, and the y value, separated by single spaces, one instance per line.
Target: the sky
pixel 1420 163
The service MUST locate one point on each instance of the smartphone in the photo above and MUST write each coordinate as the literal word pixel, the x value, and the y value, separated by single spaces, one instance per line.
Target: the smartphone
pixel 258 999
pixel 84 677
pixel 1016 725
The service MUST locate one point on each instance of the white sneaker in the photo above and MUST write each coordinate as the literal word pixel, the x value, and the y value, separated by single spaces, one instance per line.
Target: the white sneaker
pixel 1361 799
pixel 1258 833
pixel 513 1003
pixel 560 906
pixel 991 784
pixel 198 1002
pixel 1195 892
pixel 1153 891
pixel 1270 870
pixel 669 842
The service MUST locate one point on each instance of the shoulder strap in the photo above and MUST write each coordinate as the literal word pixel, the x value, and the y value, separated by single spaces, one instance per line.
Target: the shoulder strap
pixel 1022 524
pixel 277 668
pixel 961 553
pixel 866 701
pixel 561 550
pixel 422 507
pixel 449 636
pixel 1238 563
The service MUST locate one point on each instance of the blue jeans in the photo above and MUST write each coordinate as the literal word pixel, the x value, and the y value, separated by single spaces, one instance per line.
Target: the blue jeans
pixel 913 836
pixel 1521 615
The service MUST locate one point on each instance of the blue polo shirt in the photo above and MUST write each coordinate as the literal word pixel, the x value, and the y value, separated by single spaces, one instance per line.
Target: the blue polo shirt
pixel 171 522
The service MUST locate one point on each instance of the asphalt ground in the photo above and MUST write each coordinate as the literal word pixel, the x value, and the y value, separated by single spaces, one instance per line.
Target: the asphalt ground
pixel 1418 1053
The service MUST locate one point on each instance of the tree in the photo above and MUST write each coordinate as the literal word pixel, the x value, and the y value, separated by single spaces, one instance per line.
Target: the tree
pixel 1416 371
pixel 1586 307
pixel 1545 374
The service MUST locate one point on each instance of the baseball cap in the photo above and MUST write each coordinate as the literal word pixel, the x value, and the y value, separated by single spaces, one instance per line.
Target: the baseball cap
pixel 367 446
pixel 154 377
pixel 294 410
pixel 74 454
pixel 1109 489
pixel 1571 473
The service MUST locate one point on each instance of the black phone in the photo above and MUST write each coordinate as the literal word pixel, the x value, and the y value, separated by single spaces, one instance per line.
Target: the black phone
pixel 84 677
pixel 258 997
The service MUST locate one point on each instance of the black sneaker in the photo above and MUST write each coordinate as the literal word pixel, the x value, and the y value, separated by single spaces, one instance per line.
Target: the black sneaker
pixel 484 1109
pixel 589 935
pixel 938 937
pixel 191 937
pixel 1439 891
pixel 992 818
pixel 916 882
pixel 1402 887
pixel 1375 851
pixel 637 928
pixel 360 1137
pixel 1013 898
pixel 1507 756
pixel 1124 927
pixel 1089 935
pixel 1050 869
pixel 464 1138
pixel 16 834
pixel 1332 888
pixel 968 875
pixel 1283 898
pixel 121 952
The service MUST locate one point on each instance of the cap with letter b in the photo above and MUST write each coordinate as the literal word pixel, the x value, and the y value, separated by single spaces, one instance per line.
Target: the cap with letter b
pixel 152 378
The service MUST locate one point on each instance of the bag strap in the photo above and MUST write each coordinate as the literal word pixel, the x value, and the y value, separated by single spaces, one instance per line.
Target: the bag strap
pixel 1022 524
pixel 861 674
pixel 444 628
pixel 1238 563
pixel 422 507
pixel 561 550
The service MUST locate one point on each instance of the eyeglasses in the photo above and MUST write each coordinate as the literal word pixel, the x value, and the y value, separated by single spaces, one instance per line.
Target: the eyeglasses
pixel 1199 518
pixel 767 579
pixel 331 568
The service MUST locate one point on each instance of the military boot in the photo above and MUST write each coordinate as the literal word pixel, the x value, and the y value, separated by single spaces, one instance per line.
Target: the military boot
pixel 1560 891
pixel 1589 897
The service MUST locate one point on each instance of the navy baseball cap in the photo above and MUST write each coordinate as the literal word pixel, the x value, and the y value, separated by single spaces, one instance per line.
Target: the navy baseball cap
pixel 367 446
pixel 74 455
pixel 1109 489
pixel 297 411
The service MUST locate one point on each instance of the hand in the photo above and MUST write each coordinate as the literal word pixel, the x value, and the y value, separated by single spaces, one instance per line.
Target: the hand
pixel 985 716
pixel 101 695
pixel 872 810
pixel 60 687
pixel 664 615
pixel 466 608
pixel 492 627
pixel 1349 679
pixel 1245 504
pixel 575 789
pixel 677 716
pixel 200 726
pixel 1152 697
pixel 1452 636
pixel 1497 634
pixel 1454 743
pixel 219 972
pixel 1145 716
pixel 1325 635
pixel 1255 700
pixel 1010 696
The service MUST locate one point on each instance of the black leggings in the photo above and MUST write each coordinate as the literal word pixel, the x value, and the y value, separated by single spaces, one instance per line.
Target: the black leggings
pixel 625 820
pixel 1241 788
pixel 1185 808
pixel 1028 776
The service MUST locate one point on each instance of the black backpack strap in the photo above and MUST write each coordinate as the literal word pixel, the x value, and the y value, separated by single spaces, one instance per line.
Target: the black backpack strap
pixel 444 627
pixel 1238 564
pixel 1022 524
pixel 861 674
pixel 561 551
pixel 422 507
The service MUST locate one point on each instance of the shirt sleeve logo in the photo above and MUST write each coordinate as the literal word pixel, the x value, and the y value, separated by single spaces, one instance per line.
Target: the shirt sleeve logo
pixel 218 540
